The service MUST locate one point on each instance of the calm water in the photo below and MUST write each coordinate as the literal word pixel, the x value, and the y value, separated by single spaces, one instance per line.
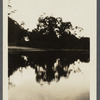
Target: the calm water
pixel 48 76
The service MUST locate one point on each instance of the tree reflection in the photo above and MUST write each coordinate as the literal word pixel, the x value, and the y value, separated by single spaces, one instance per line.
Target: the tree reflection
pixel 49 66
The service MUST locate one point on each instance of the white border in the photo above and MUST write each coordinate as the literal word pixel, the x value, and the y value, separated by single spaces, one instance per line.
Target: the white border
pixel 5 50
pixel 93 53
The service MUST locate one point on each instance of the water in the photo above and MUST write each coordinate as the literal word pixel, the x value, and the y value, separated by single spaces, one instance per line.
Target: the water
pixel 58 75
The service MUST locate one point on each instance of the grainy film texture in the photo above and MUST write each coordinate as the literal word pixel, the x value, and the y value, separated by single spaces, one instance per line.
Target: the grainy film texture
pixel 49 49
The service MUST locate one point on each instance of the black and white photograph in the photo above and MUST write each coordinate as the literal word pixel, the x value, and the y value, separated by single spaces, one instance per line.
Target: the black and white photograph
pixel 51 50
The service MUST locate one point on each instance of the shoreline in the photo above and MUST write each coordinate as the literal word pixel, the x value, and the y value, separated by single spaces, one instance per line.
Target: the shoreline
pixel 29 49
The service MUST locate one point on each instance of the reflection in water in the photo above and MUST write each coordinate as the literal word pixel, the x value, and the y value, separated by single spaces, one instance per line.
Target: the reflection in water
pixel 48 65
pixel 26 69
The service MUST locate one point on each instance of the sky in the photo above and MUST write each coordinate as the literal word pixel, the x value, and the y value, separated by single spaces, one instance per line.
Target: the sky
pixel 79 12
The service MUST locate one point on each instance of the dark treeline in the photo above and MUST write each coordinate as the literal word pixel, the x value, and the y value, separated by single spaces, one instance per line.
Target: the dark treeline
pixel 48 66
pixel 51 32
pixel 16 33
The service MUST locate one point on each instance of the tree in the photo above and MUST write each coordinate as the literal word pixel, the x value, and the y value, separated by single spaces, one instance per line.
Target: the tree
pixel 16 33
pixel 10 9
pixel 52 26
pixel 50 32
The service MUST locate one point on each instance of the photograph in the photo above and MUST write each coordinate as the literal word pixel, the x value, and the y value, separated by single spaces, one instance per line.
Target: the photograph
pixel 49 50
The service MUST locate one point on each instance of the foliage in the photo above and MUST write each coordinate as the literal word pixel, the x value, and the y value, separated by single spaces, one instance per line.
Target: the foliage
pixel 51 32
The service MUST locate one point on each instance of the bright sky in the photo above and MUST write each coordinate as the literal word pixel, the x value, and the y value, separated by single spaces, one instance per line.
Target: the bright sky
pixel 79 12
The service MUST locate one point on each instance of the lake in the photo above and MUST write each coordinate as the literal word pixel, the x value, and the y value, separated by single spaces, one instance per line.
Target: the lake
pixel 49 75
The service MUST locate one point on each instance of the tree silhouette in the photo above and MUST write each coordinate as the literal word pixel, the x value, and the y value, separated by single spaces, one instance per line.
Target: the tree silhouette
pixel 50 32
pixel 53 27
pixel 48 66
pixel 16 33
